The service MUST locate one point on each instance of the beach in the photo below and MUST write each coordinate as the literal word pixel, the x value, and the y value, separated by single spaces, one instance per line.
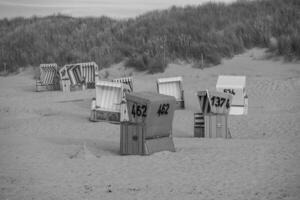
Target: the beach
pixel 50 150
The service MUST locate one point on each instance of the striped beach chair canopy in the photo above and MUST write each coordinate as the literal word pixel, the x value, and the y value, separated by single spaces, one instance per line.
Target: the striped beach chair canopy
pixel 109 95
pixel 171 86
pixel 74 73
pixel 80 73
pixel 63 72
pixel 214 102
pixel 126 80
pixel 89 72
pixel 48 73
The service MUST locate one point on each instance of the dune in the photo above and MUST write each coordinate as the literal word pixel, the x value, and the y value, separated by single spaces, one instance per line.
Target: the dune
pixel 50 150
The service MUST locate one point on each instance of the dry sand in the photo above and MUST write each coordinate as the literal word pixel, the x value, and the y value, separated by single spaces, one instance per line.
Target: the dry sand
pixel 49 149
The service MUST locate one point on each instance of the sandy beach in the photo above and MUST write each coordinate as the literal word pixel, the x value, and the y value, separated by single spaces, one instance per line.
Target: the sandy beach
pixel 50 150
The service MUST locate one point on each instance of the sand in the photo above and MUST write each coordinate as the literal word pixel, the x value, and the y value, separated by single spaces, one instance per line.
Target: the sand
pixel 50 150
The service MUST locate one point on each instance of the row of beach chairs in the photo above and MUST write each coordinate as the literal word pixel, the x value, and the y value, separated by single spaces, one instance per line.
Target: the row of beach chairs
pixel 145 118
pixel 70 75
pixel 110 96
pixel 107 106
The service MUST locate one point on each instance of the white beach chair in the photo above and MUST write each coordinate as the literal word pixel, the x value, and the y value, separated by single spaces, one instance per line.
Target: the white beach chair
pixel 172 86
pixel 235 85
pixel 110 104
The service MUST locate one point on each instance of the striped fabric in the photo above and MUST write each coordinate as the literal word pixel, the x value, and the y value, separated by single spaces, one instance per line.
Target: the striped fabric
pixel 109 95
pixel 204 102
pixel 80 73
pixel 48 73
pixel 71 74
pixel 88 72
pixel 199 120
pixel 125 80
pixel 63 73
pixel 199 125
pixel 170 86
pixel 170 79
pixel 77 74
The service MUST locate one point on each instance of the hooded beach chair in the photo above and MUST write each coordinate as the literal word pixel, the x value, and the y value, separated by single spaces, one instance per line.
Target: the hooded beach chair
pixel 89 73
pixel 235 85
pixel 149 127
pixel 212 120
pixel 48 77
pixel 81 75
pixel 173 87
pixel 70 77
pixel 110 104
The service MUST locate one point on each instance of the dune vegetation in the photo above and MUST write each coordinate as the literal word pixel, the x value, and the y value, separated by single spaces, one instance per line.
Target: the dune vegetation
pixel 201 34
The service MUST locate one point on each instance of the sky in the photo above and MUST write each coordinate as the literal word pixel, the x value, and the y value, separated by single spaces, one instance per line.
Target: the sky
pixel 84 8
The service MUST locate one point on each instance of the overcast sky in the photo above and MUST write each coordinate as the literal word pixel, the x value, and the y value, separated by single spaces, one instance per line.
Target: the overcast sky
pixel 76 8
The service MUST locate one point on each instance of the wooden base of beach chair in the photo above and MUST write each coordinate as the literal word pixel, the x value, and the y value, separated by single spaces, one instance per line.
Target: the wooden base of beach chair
pixel 41 87
pixel 77 88
pixel 211 126
pixel 133 141
pixel 100 115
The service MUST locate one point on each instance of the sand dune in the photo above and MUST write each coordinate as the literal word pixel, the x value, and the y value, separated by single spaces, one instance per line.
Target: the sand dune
pixel 49 149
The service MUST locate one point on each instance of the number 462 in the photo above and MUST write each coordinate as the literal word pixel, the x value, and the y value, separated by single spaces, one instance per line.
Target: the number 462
pixel 139 110
pixel 163 109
